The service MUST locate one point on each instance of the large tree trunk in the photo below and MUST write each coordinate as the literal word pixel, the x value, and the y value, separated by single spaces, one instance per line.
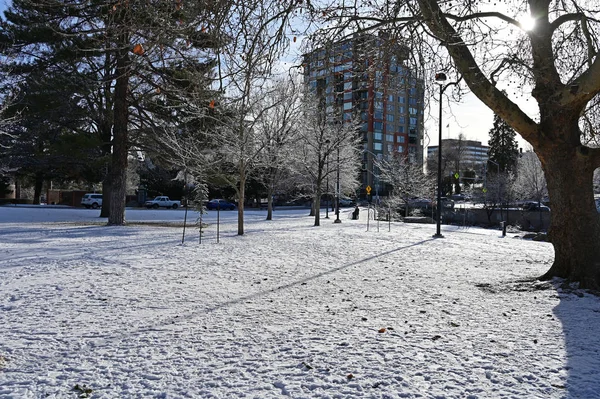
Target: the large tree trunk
pixel 106 195
pixel 118 167
pixel 37 190
pixel 241 200
pixel 575 222
pixel 317 207
pixel 269 203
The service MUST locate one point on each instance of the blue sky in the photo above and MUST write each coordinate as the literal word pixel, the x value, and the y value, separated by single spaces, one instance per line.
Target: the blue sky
pixel 470 117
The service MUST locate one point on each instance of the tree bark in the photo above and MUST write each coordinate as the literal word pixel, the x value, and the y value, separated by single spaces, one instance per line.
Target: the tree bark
pixel 241 200
pixel 317 207
pixel 106 195
pixel 269 203
pixel 37 191
pixel 574 220
pixel 118 168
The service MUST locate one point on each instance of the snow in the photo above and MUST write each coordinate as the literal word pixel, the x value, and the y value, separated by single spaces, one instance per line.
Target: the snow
pixel 287 310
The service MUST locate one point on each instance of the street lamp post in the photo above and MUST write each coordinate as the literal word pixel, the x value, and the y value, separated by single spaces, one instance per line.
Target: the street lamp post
pixel 440 78
pixel 337 198
pixel 327 180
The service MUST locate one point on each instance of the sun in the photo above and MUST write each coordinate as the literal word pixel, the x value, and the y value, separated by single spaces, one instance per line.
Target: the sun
pixel 527 22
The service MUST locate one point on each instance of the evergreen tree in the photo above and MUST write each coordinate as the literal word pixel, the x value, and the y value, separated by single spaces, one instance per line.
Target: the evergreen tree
pixel 503 145
pixel 124 52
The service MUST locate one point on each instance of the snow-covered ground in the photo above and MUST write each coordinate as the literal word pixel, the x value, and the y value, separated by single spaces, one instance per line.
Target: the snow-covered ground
pixel 287 310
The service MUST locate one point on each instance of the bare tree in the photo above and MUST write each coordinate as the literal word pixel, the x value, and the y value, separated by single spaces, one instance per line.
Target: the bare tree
pixel 277 131
pixel 406 178
pixel 455 155
pixel 325 141
pixel 255 43
pixel 530 182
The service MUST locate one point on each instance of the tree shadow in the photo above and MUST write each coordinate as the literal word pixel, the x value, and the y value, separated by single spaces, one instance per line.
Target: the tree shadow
pixel 189 315
pixel 579 314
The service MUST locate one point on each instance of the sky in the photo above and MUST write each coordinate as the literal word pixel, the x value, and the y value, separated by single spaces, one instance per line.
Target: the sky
pixel 344 310
pixel 470 117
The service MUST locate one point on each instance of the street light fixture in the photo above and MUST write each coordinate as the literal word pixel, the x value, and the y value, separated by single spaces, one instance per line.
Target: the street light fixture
pixel 327 178
pixel 337 198
pixel 440 78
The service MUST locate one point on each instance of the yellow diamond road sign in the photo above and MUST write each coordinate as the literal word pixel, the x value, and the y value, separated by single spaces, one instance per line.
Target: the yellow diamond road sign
pixel 368 189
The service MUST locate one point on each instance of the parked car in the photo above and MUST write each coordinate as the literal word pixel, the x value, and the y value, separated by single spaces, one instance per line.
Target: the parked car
pixel 346 201
pixel 447 203
pixel 535 207
pixel 461 197
pixel 219 204
pixel 421 203
pixel 162 202
pixel 92 200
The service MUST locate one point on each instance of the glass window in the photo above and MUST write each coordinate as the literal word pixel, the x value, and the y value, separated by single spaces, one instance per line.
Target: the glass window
pixel 378 126
pixel 378 115
pixel 389 117
pixel 348 96
pixel 391 98
pixel 401 100
pixel 390 107
pixel 412 110
pixel 400 139
pixel 378 105
pixel 401 120
pixel 389 137
pixel 377 146
pixel 347 105
pixel 377 136
pixel 413 121
pixel 400 129
pixel 390 148
pixel 400 148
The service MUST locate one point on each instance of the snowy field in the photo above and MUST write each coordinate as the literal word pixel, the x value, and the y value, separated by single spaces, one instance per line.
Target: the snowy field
pixel 287 310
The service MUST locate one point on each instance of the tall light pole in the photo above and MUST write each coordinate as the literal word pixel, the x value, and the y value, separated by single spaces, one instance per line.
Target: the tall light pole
pixel 337 198
pixel 440 78
pixel 327 180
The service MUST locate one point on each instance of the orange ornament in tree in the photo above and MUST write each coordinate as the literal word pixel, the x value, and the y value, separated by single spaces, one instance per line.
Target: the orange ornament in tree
pixel 138 49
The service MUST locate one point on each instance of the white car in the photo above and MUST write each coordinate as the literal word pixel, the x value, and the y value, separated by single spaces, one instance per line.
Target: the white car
pixel 92 200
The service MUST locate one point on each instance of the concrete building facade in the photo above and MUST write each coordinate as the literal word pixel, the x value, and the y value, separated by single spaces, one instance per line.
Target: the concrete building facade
pixel 472 154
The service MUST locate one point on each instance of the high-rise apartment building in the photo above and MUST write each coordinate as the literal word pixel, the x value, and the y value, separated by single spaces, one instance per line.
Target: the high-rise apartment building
pixel 366 77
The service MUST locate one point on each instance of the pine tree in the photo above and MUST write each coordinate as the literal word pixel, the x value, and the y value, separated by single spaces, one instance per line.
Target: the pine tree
pixel 123 52
pixel 504 149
